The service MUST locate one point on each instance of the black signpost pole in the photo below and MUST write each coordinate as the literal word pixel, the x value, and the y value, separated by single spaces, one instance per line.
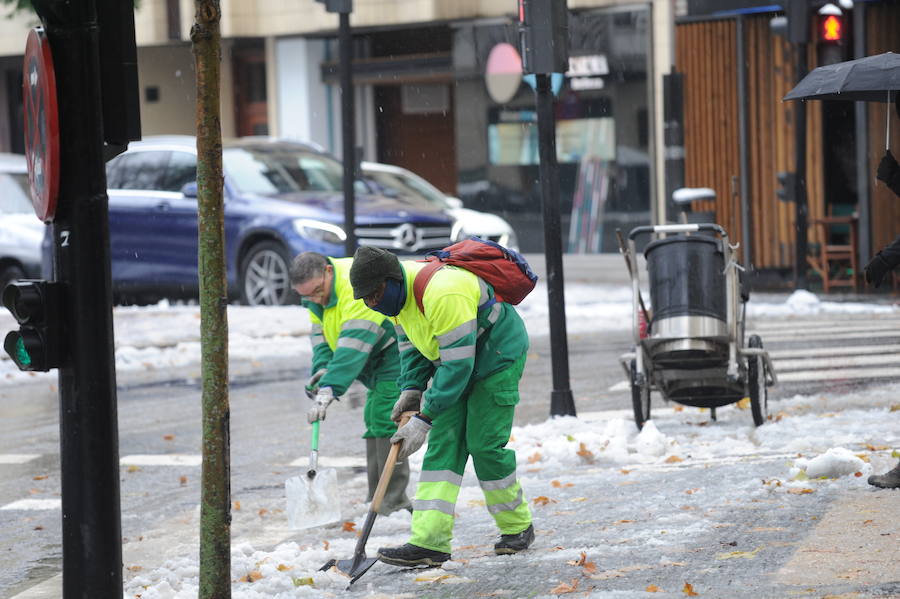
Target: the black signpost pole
pixel 348 130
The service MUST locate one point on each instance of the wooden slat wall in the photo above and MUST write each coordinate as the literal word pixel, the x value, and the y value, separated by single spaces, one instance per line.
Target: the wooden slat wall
pixel 883 35
pixel 705 53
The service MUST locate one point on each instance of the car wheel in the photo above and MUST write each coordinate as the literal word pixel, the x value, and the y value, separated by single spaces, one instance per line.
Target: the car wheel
pixel 10 273
pixel 264 275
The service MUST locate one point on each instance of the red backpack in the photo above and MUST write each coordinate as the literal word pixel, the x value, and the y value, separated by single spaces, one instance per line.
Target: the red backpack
pixel 504 269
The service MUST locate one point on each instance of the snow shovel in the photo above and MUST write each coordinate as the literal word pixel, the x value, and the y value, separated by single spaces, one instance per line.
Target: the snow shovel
pixel 312 500
pixel 359 564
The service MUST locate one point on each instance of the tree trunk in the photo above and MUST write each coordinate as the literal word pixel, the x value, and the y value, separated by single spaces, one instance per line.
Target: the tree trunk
pixel 215 498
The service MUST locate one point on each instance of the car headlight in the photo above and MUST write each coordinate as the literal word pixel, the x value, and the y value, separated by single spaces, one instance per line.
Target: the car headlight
pixel 319 231
pixel 458 233
pixel 510 240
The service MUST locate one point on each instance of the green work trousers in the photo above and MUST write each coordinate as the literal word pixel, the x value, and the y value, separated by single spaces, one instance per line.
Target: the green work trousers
pixel 479 424
pixel 379 429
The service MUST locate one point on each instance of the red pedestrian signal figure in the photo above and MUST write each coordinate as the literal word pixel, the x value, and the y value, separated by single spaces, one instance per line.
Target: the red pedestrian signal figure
pixel 832 28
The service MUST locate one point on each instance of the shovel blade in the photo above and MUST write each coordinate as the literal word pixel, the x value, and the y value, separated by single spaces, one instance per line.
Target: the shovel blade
pixel 312 501
pixel 354 571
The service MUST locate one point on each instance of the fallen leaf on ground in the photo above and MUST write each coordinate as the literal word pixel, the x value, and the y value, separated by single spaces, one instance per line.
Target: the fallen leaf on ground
pixel 578 499
pixel 237 506
pixel 535 457
pixel 133 469
pixel 182 480
pixel 691 491
pixel 284 567
pixel 652 588
pixel 743 404
pixel 673 459
pixel 433 577
pixel 578 562
pixel 585 454
pixel 262 512
pixel 252 576
pixel 40 477
pixel 169 437
pixel 348 526
pixel 305 581
pixel 739 554
pixel 134 568
pixel 326 544
pixel 689 590
pixel 895 407
pixel 624 471
pixel 623 521
pixel 563 588
pixel 543 500
pixel 800 491
pixel 558 484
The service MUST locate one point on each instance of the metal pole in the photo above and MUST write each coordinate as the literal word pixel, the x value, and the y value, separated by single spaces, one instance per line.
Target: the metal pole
pixel 561 402
pixel 89 453
pixel 863 200
pixel 800 215
pixel 349 133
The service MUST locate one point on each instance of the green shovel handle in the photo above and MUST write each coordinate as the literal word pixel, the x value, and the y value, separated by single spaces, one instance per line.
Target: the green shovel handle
pixel 314 444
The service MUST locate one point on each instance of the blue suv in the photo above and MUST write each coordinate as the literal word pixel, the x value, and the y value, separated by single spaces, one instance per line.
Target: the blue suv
pixel 281 198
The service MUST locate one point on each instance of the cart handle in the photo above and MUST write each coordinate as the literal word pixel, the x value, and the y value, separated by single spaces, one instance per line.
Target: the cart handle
pixel 677 229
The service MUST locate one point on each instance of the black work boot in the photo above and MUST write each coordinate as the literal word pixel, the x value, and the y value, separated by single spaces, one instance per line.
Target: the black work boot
pixel 888 480
pixel 515 543
pixel 412 555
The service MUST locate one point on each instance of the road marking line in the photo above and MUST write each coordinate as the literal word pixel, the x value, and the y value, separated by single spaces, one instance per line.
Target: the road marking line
pixel 839 374
pixel 822 362
pixel 18 458
pixel 332 462
pixel 843 350
pixel 808 335
pixel 33 504
pixel 167 459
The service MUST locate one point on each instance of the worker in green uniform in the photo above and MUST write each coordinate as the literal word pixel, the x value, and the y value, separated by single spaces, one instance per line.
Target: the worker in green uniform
pixel 472 349
pixel 350 341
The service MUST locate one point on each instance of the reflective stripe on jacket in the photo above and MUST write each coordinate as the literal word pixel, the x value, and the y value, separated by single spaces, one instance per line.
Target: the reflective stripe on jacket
pixel 349 339
pixel 462 335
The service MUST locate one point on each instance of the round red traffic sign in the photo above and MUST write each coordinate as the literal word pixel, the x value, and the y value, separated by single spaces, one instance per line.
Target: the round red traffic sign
pixel 41 124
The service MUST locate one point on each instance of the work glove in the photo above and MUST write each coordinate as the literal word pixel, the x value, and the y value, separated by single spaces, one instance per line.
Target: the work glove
pixel 889 172
pixel 323 399
pixel 410 401
pixel 876 269
pixel 411 436
pixel 312 385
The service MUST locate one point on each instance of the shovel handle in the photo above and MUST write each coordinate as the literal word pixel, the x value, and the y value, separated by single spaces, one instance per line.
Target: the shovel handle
pixel 314 450
pixel 388 469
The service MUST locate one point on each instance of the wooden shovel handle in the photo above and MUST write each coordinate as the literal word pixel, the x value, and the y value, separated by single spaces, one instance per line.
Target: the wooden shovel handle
pixel 389 464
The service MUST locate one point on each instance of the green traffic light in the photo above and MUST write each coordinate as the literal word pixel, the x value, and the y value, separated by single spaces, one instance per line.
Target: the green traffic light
pixel 22 355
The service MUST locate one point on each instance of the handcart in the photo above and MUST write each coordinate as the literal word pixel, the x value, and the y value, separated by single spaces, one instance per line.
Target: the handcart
pixel 690 345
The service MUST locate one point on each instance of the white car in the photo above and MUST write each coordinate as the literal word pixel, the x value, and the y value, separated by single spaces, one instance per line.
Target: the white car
pixel 395 181
pixel 21 231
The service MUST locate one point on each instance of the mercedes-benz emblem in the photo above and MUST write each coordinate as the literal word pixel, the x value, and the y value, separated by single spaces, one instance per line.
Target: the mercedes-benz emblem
pixel 406 237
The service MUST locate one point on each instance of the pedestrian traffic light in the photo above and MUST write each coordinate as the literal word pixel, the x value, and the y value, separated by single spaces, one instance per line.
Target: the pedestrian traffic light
pixel 36 306
pixel 787 186
pixel 544 36
pixel 831 28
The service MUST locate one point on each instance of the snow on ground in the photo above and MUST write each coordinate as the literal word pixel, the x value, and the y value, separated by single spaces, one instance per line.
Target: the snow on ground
pixel 167 336
pixel 813 444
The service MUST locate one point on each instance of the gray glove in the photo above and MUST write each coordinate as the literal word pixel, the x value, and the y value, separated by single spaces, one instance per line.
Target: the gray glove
pixel 412 435
pixel 312 385
pixel 323 400
pixel 410 400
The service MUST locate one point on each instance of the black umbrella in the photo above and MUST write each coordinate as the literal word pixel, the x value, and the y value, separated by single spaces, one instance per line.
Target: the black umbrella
pixel 870 79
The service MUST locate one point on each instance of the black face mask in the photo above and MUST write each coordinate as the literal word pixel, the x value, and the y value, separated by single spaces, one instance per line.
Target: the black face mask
pixel 393 298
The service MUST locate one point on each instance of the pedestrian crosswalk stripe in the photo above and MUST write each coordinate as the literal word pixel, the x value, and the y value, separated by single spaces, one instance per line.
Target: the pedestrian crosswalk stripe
pixel 18 458
pixel 807 335
pixel 332 462
pixel 33 505
pixel 842 350
pixel 820 363
pixel 872 323
pixel 165 459
pixel 835 374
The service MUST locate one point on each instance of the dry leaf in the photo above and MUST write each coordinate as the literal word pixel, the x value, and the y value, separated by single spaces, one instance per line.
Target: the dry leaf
pixel 558 484
pixel 182 480
pixel 40 477
pixel 284 568
pixel 305 581
pixel 252 576
pixel 895 407
pixel 678 409
pixel 800 491
pixel 262 512
pixel 348 526
pixel 326 544
pixel 543 500
pixel 134 568
pixel 38 527
pixel 578 499
pixel 743 403
pixel 652 588
pixel 589 568
pixel 563 588
pixel 691 491
pixel 535 458
pixel 169 437
pixel 857 474
pixel 868 521
pixel 624 471
pixel 739 554
pixel 578 562
pixel 689 590
pixel 672 459
pixel 623 521
pixel 433 577
pixel 237 506
pixel 585 454
pixel 133 469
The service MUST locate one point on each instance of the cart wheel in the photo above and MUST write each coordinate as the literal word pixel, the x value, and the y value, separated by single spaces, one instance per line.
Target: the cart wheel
pixel 756 384
pixel 640 399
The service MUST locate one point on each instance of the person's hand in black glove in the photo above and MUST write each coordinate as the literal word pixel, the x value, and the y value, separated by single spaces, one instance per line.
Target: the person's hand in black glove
pixel 889 172
pixel 876 269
